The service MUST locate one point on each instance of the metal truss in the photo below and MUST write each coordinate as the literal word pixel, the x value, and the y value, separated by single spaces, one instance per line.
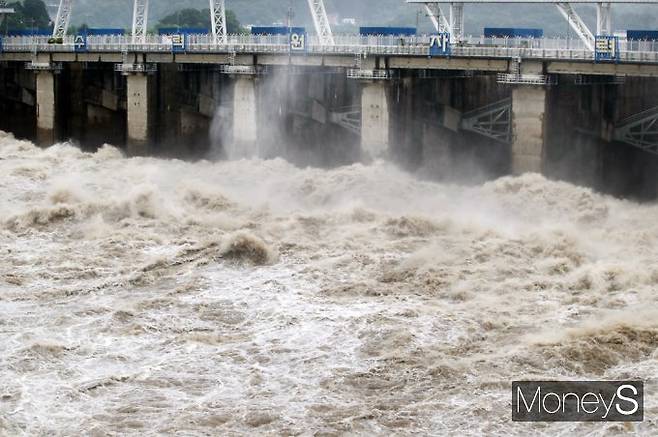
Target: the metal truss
pixel 348 117
pixel 63 18
pixel 577 24
pixel 218 21
pixel 456 21
pixel 321 21
pixel 603 18
pixel 140 21
pixel 493 121
pixel 603 14
pixel 640 131
pixel 438 18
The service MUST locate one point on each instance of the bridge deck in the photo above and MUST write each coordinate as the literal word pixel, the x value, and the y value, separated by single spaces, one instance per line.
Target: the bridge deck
pixel 474 53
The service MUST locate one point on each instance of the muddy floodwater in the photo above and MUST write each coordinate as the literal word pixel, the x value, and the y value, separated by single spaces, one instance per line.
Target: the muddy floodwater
pixel 145 297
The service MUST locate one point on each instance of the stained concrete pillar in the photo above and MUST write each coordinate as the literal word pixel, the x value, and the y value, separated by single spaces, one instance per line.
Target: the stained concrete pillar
pixel 529 121
pixel 45 83
pixel 138 114
pixel 374 119
pixel 245 125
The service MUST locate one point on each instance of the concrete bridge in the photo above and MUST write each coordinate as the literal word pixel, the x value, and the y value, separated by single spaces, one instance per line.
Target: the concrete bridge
pixel 515 104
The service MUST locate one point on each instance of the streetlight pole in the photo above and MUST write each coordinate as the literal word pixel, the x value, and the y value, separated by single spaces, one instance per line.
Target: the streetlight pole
pixel 291 14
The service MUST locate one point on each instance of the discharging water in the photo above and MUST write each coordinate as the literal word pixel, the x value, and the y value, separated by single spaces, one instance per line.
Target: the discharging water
pixel 146 296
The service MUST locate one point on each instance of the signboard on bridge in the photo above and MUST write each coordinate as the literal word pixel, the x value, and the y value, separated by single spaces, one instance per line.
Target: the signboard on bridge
pixel 606 48
pixel 177 41
pixel 80 43
pixel 440 44
pixel 297 39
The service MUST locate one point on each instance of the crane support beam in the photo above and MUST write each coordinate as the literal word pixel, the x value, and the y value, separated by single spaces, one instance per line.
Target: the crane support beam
pixel 140 21
pixel 603 14
pixel 640 130
pixel 456 21
pixel 218 21
pixel 438 18
pixel 63 18
pixel 603 18
pixel 321 22
pixel 577 24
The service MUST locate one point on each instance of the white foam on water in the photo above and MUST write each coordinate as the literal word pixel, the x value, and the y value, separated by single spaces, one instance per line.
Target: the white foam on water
pixel 146 296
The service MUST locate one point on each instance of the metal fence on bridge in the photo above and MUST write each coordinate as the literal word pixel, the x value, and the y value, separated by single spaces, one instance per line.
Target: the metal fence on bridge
pixel 630 51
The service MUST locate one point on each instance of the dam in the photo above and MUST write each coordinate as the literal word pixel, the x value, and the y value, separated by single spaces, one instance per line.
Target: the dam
pixel 292 232
pixel 582 110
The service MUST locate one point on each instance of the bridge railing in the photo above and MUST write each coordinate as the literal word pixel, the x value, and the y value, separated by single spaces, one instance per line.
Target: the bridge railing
pixel 478 46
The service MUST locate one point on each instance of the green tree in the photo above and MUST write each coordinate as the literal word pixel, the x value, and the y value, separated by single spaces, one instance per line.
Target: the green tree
pixel 190 17
pixel 73 30
pixel 185 18
pixel 233 25
pixel 29 14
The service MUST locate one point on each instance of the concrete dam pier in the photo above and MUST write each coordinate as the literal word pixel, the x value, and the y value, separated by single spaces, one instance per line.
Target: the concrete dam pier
pixel 453 120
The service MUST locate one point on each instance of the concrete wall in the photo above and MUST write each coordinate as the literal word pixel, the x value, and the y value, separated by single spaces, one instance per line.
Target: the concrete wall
pixel 46 134
pixel 245 112
pixel 375 135
pixel 579 146
pixel 18 100
pixel 425 130
pixel 564 131
pixel 300 116
pixel 186 103
pixel 528 117
pixel 138 115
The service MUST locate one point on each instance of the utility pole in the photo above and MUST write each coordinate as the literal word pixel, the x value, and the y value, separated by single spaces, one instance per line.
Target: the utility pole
pixel 291 14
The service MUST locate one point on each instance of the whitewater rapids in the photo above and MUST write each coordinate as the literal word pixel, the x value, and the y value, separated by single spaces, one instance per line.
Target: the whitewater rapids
pixel 147 296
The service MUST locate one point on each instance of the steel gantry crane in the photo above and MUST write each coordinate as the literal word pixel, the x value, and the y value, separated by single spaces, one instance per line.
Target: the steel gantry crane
pixel 217 20
pixel 577 24
pixel 454 23
pixel 140 20
pixel 438 18
pixel 321 22
pixel 63 18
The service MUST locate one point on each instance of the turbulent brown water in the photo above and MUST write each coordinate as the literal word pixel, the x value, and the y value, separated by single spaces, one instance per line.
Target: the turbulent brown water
pixel 145 296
